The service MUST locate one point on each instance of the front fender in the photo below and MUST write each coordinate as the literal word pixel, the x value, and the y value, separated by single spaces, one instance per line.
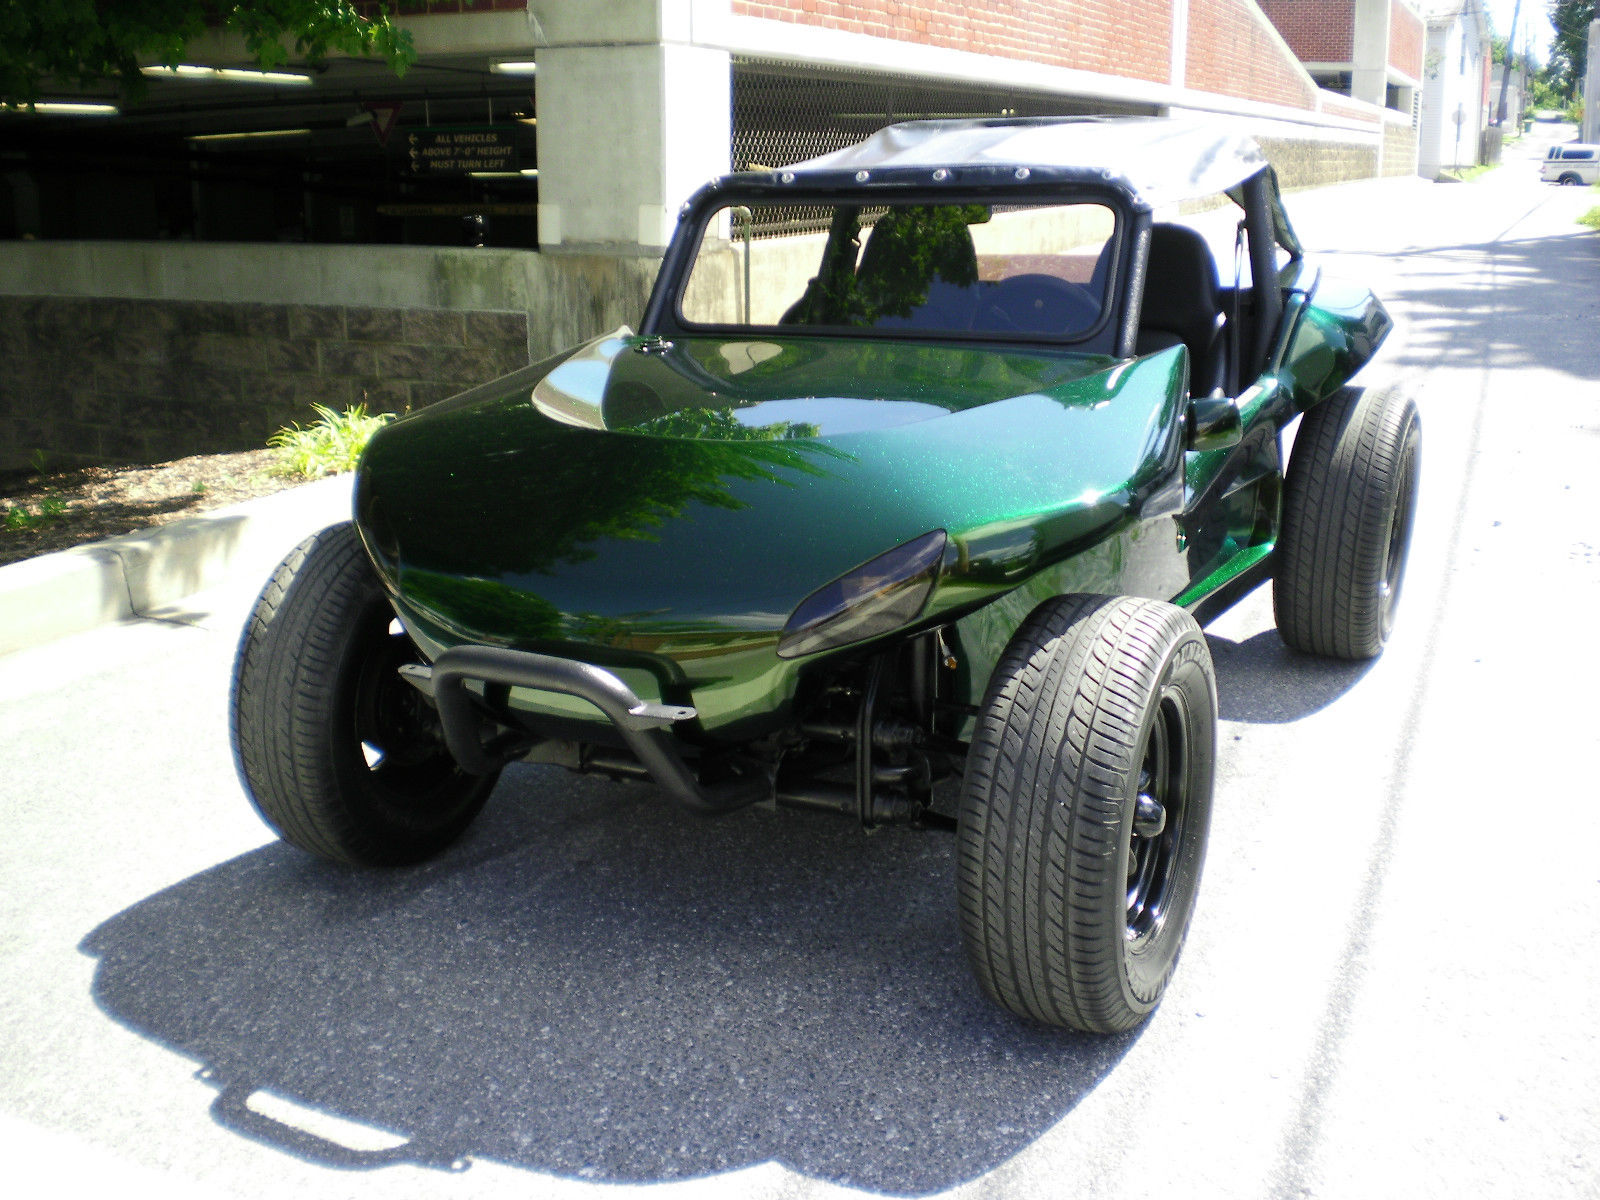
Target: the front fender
pixel 1331 330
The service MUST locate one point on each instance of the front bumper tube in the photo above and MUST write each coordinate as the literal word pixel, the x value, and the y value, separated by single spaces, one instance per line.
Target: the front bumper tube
pixel 643 724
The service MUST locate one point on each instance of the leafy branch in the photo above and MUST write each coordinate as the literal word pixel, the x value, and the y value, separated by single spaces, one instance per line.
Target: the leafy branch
pixel 85 42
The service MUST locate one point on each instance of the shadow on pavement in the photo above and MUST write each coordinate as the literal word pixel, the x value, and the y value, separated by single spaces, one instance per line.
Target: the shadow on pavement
pixel 1262 682
pixel 1507 304
pixel 597 986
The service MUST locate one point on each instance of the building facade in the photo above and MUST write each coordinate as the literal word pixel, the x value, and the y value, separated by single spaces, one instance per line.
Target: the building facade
pixel 1455 94
pixel 1370 50
pixel 195 268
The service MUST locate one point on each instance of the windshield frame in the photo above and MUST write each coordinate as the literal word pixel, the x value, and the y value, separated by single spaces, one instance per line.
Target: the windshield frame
pixel 664 316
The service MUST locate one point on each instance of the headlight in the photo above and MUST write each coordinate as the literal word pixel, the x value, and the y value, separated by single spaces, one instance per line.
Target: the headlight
pixel 876 597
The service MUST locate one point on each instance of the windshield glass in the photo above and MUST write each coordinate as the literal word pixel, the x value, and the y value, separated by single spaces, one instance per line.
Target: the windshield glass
pixel 942 269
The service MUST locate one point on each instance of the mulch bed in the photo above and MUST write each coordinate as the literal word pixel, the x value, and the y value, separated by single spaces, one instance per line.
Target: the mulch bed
pixel 42 513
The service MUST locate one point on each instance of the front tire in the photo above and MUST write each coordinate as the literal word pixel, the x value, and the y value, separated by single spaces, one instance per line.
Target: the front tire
pixel 1349 504
pixel 1085 811
pixel 339 755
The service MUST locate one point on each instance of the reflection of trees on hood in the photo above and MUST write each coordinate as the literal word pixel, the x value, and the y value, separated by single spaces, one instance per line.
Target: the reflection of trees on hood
pixel 909 249
pixel 720 424
pixel 505 491
pixel 484 606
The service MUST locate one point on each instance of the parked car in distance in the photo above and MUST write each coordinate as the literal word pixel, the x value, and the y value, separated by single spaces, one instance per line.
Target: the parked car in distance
pixel 1571 163
pixel 904 503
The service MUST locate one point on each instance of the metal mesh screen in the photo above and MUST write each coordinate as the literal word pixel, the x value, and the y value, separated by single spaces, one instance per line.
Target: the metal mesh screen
pixel 786 112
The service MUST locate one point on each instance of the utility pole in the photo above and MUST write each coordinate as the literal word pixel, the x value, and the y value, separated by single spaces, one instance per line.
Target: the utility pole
pixel 1505 67
pixel 1590 130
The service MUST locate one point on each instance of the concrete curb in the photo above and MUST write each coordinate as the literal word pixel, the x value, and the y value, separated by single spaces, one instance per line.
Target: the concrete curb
pixel 126 577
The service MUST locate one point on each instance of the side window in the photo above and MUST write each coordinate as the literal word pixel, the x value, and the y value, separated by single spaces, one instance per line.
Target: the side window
pixel 1578 155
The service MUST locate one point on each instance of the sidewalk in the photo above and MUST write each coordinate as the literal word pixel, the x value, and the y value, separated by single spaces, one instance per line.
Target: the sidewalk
pixel 135 575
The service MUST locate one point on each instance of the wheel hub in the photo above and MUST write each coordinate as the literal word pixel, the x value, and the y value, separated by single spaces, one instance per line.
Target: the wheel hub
pixel 1150 816
pixel 1156 838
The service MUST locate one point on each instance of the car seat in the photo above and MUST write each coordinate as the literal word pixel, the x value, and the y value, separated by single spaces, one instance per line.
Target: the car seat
pixel 1181 305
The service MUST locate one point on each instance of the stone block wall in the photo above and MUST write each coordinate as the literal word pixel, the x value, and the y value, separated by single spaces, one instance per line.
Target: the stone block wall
pixel 135 380
pixel 1399 149
pixel 1317 163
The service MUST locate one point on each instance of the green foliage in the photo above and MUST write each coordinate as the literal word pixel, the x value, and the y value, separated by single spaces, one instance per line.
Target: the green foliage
pixel 87 41
pixel 1591 219
pixel 330 446
pixel 20 517
pixel 1541 94
pixel 1569 50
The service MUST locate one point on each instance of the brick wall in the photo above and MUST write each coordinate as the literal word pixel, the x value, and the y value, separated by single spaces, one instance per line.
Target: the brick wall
pixel 1232 52
pixel 1316 30
pixel 1086 35
pixel 1351 110
pixel 1405 40
pixel 96 380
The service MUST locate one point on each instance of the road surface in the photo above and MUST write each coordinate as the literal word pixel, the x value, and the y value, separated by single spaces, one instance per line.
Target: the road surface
pixel 1388 989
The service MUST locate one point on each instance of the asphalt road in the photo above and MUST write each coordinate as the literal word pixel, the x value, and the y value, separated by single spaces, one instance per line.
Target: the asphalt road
pixel 1389 988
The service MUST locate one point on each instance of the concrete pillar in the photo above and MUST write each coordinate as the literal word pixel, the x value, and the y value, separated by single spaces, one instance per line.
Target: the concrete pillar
pixel 633 116
pixel 1369 52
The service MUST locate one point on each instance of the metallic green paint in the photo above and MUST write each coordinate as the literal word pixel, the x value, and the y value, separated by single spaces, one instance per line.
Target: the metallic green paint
pixel 1334 329
pixel 662 508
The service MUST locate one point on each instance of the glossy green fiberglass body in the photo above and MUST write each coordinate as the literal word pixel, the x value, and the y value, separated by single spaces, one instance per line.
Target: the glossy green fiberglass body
pixel 950 398
pixel 662 510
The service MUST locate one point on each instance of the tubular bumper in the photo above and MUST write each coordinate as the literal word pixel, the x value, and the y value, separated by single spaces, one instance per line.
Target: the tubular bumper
pixel 643 724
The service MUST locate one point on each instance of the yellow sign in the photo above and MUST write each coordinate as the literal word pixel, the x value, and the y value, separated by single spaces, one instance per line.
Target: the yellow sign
pixel 460 149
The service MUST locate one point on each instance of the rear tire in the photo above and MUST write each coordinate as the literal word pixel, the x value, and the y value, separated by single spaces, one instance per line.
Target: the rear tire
pixel 1085 811
pixel 1349 505
pixel 1569 180
pixel 339 755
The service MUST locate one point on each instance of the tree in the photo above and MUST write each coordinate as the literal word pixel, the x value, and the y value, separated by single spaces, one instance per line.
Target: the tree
pixel 1569 50
pixel 83 42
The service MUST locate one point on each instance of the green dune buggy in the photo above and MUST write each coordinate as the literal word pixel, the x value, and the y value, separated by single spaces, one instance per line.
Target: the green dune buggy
pixel 905 502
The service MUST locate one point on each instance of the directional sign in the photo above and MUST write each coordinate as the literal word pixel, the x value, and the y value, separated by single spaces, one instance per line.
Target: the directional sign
pixel 456 150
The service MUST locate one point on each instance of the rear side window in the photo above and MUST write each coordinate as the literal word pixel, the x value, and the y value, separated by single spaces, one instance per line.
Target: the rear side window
pixel 1577 155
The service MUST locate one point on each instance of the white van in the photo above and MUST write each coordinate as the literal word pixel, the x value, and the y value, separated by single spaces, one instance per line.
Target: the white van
pixel 1571 162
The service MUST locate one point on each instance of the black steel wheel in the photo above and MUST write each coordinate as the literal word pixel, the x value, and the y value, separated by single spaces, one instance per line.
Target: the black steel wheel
pixel 1349 508
pixel 338 753
pixel 1085 811
pixel 1569 180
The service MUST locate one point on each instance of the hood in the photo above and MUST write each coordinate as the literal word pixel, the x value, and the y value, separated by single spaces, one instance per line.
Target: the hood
pixel 709 485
